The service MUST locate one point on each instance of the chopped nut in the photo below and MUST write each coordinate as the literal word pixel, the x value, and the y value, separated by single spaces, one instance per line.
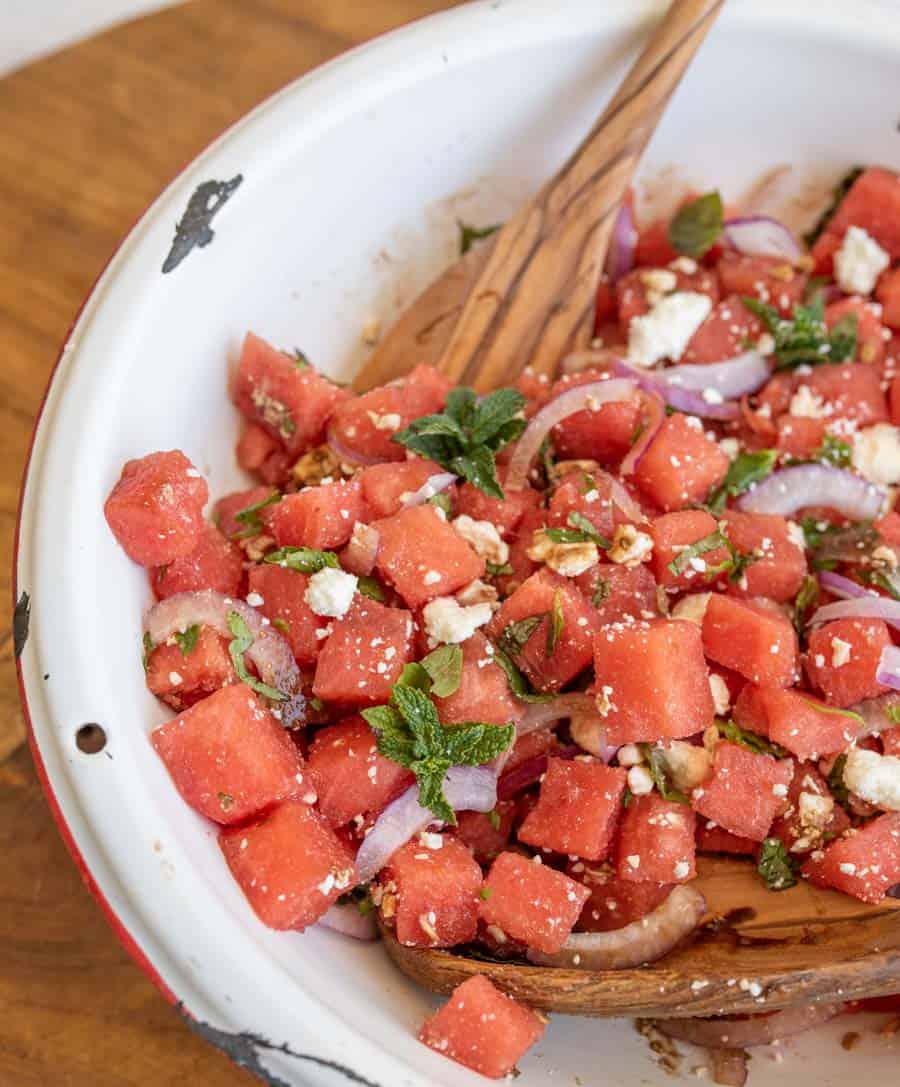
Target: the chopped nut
pixel 255 547
pixel 478 592
pixel 688 766
pixel 568 559
pixel 483 538
pixel 316 465
pixel 630 547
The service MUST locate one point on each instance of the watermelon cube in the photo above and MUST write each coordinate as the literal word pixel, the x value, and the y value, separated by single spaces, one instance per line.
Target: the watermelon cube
pixel 681 465
pixel 870 332
pixel 351 777
pixel 506 513
pixel 228 757
pixel 181 679
pixel 619 593
pixel 431 892
pixel 577 810
pixel 890 741
pixel 746 790
pixel 888 294
pixel 656 842
pixel 521 564
pixel 549 660
pixel 654 680
pixel 487 833
pixel 604 435
pixel 675 532
pixel 214 563
pixel 285 397
pixel 813 815
pixel 799 435
pixel 713 839
pixel 588 494
pixel 795 720
pixel 321 517
pixel 385 485
pixel 254 447
pixel 873 203
pixel 866 864
pixel 842 659
pixel 530 902
pixel 654 249
pixel 724 334
pixel 615 902
pixel 482 1028
pixel 282 594
pixel 423 557
pixel 155 510
pixel 291 865
pixel 770 279
pixel 754 640
pixel 850 391
pixel 226 510
pixel 364 654
pixel 483 693
pixel 779 564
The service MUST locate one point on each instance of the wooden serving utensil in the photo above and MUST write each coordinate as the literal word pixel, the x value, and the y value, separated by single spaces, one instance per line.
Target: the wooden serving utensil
pixel 525 297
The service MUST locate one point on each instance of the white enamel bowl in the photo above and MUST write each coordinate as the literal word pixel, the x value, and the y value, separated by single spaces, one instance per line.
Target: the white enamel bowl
pixel 352 181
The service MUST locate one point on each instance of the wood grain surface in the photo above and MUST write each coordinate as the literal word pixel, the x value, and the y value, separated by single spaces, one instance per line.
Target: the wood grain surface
pixel 87 138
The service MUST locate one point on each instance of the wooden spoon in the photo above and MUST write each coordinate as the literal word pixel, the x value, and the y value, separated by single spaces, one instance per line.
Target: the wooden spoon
pixel 525 297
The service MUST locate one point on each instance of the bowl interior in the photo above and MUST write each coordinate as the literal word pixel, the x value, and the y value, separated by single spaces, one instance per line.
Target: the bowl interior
pixel 352 183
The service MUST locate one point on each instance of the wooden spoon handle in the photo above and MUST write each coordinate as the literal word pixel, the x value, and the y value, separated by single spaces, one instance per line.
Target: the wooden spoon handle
pixel 534 299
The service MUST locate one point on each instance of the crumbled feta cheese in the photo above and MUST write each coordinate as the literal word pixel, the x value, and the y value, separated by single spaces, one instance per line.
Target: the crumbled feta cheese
pixel 666 330
pixel 175 678
pixel 483 537
pixel 330 592
pixel 255 600
pixel 658 282
pixel 629 755
pixel 712 395
pixel 692 608
pixel 682 869
pixel 876 454
pixel 807 405
pixel 448 622
pixel 874 777
pixel 633 860
pixel 730 447
pixel 859 262
pixel 684 264
pixel 779 789
pixel 840 652
pixel 389 421
pixel 721 696
pixel 815 811
pixel 765 345
pixel 630 547
pixel 640 781
pixel 568 559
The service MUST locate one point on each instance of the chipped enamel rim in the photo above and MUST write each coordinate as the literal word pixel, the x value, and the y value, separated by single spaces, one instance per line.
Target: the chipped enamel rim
pixel 229 979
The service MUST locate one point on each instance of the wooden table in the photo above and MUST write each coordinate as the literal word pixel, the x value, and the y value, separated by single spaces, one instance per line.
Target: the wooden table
pixel 87 138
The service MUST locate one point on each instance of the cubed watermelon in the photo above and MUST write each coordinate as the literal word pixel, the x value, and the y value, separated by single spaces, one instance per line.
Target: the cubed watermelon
pixel 842 659
pixel 654 679
pixel 888 294
pixel 656 842
pixel 588 494
pixel 385 485
pixel 779 561
pixel 483 693
pixel 724 334
pixel 291 865
pixel 799 435
pixel 506 513
pixel 713 839
pixel 795 720
pixel 254 447
pixel 746 790
pixel 487 833
pixel 284 396
pixel 673 533
pixel 577 810
pixel 214 563
pixel 431 892
pixel 873 203
pixel 870 332
pixel 654 249
pixel 890 741
pixel 181 679
pixel 604 435
pixel 155 510
pixel 321 517
pixel 770 279
pixel 614 902
pixel 522 566
pixel 681 465
pixel 482 1028
pixel 550 657
pixel 226 509
pixel 754 640
pixel 228 757
pixel 531 902
pixel 617 591
pixel 283 596
pixel 364 654
pixel 850 391
pixel 351 777
pixel 423 557
pixel 813 816
pixel 865 864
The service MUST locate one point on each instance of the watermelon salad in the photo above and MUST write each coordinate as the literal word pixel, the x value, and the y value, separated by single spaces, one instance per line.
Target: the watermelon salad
pixel 494 670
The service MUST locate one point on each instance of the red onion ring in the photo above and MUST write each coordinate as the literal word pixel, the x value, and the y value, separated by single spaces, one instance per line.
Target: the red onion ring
pixel 622 245
pixel 621 497
pixel 865 607
pixel 433 485
pixel 729 1067
pixel 681 399
pixel 806 485
pixel 581 398
pixel 842 586
pixel 762 236
pixel 346 919
pixel 722 1033
pixel 467 788
pixel 888 671
pixel 270 653
pixel 643 941
pixel 656 416
pixel 362 550
pixel 539 714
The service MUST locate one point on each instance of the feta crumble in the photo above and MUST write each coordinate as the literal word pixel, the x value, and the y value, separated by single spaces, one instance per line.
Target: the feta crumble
pixel 874 777
pixel 448 622
pixel 666 330
pixel 330 592
pixel 876 454
pixel 859 262
pixel 483 537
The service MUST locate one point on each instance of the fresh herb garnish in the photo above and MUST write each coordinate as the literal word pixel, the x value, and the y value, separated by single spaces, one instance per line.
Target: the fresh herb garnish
pixel 834 451
pixel 516 634
pixel 444 667
pixel 601 592
pixel 250 518
pixel 804 600
pixel 745 470
pixel 836 783
pixel 187 639
pixel 469 433
pixel 698 225
pixel 831 544
pixel 485 893
pixel 442 501
pixel 751 740
pixel 776 866
pixel 494 818
pixel 556 624
pixel 371 587
pixel 804 339
pixel 496 569
pixel 656 764
pixel 359 897
pixel 468 235
pixel 840 191
pixel 301 360
pixel 580 530
pixel 410 733
pixel 241 641
pixel 305 560
pixel 148 647
pixel 547 462
pixel 683 561
pixel 518 684
pixel 893 714
pixel 887 581
pixel 281 624
pixel 627 797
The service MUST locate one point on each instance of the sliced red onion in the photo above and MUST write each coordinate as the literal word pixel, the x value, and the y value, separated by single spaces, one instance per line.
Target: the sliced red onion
pixel 270 653
pixel 622 245
pixel 706 391
pixel 864 607
pixel 805 485
pixel 729 1067
pixel 722 1033
pixel 874 713
pixel 888 673
pixel 344 917
pixel 841 586
pixel 582 398
pixel 346 455
pixel 655 410
pixel 359 556
pixel 467 788
pixel 762 236
pixel 621 497
pixel 540 714
pixel 433 485
pixel 643 941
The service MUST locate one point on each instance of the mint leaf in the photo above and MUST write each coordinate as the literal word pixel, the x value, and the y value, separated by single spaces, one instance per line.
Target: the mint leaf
pixel 803 339
pixel 518 684
pixel 516 634
pixel 281 624
pixel 494 413
pixel 698 225
pixel 305 560
pixel 776 866
pixel 444 666
pixel 478 467
pixel 241 641
pixel 473 743
pixel 250 518
pixel 494 569
pixel 148 648
pixel 683 560
pixel 557 623
pixel 836 783
pixel 601 592
pixel 414 675
pixel 468 235
pixel 186 640
pixel 745 470
pixel 419 713
pixel 831 544
pixel 806 597
pixel 370 586
pixel 301 359
pixel 656 764
pixel 840 191
pixel 751 740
